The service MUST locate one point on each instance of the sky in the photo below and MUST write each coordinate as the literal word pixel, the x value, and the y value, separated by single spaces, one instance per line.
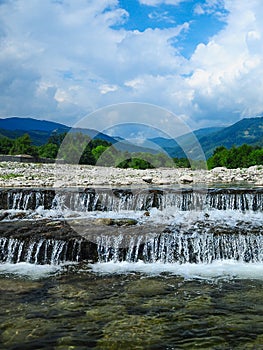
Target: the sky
pixel 61 60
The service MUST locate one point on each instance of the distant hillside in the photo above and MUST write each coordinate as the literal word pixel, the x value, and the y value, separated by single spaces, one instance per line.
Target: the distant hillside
pixel 40 130
pixel 26 124
pixel 185 142
pixel 246 131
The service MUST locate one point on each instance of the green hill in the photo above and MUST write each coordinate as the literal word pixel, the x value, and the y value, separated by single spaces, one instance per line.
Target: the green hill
pixel 246 131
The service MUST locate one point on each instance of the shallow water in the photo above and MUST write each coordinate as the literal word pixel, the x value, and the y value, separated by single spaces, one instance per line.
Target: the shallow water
pixel 155 304
pixel 141 306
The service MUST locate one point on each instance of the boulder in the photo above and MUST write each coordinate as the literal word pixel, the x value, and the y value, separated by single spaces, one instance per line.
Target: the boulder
pixel 186 179
pixel 147 179
pixel 118 222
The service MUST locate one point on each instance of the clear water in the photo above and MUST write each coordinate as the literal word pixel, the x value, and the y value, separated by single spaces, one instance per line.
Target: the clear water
pixel 131 306
pixel 134 305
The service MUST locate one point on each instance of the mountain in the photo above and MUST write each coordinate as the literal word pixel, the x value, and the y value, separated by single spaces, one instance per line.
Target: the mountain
pixel 247 130
pixel 28 124
pixel 40 130
pixel 175 148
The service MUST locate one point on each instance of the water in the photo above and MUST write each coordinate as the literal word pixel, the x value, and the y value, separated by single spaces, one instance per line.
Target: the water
pixel 189 275
pixel 131 308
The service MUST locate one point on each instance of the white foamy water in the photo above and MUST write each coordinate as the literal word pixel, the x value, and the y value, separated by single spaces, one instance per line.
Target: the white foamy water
pixel 169 216
pixel 31 271
pixel 215 270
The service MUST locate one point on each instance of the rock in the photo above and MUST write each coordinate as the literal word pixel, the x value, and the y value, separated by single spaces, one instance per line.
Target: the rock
pixel 186 179
pixel 18 215
pixel 219 169
pixel 104 221
pixel 118 222
pixel 147 179
pixel 125 222
pixel 3 216
pixel 239 179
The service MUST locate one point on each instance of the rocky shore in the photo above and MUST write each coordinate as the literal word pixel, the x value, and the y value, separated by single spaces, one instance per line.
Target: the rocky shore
pixel 13 174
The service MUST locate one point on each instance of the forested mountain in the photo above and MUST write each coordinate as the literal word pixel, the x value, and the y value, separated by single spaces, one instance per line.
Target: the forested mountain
pixel 246 131
pixel 40 130
pixel 26 124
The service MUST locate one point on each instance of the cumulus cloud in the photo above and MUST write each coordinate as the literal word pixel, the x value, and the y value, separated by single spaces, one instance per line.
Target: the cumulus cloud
pixel 63 59
pixel 227 72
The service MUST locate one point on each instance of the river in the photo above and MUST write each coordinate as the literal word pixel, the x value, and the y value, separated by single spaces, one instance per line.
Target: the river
pixel 187 273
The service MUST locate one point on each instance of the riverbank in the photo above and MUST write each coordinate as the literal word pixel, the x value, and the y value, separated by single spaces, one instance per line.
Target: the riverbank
pixel 71 175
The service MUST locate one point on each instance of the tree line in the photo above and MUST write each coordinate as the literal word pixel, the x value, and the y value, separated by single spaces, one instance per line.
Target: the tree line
pixel 78 148
pixel 236 157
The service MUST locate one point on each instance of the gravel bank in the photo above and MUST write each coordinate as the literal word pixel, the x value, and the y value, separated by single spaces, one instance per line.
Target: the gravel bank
pixel 65 175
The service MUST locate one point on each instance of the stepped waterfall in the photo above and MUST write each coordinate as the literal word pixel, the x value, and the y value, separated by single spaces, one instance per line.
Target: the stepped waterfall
pixel 47 234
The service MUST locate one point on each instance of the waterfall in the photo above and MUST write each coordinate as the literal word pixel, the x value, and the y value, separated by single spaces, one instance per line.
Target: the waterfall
pixel 200 238
pixel 182 248
pixel 167 247
pixel 87 200
pixel 43 251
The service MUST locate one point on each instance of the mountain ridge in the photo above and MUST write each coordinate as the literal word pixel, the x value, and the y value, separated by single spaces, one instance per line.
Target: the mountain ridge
pixel 246 130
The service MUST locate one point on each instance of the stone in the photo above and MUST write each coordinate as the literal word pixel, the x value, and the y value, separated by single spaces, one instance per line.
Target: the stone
pixel 147 179
pixel 186 179
pixel 219 169
pixel 118 222
pixel 104 221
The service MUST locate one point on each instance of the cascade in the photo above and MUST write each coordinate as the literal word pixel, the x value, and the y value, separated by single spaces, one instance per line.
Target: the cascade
pixel 43 251
pixel 165 248
pixel 182 248
pixel 125 199
pixel 201 242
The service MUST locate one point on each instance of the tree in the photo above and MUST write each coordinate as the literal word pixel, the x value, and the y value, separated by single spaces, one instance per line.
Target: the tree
pixel 5 145
pixel 236 157
pixel 219 158
pixel 135 163
pixel 48 150
pixel 23 145
pixel 57 139
pixel 98 151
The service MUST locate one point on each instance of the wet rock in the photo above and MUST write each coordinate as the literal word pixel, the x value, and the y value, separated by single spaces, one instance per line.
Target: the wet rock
pixel 104 221
pixel 118 222
pixel 17 215
pixel 3 216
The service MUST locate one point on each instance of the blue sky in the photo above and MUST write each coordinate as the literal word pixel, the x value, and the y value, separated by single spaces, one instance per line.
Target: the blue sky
pixel 201 60
pixel 202 25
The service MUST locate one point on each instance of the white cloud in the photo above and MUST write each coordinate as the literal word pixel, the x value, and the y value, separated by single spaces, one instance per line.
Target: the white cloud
pixel 104 89
pixel 227 72
pixel 63 59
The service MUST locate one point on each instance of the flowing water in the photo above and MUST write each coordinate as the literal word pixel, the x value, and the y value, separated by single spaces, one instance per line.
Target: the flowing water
pixel 188 275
